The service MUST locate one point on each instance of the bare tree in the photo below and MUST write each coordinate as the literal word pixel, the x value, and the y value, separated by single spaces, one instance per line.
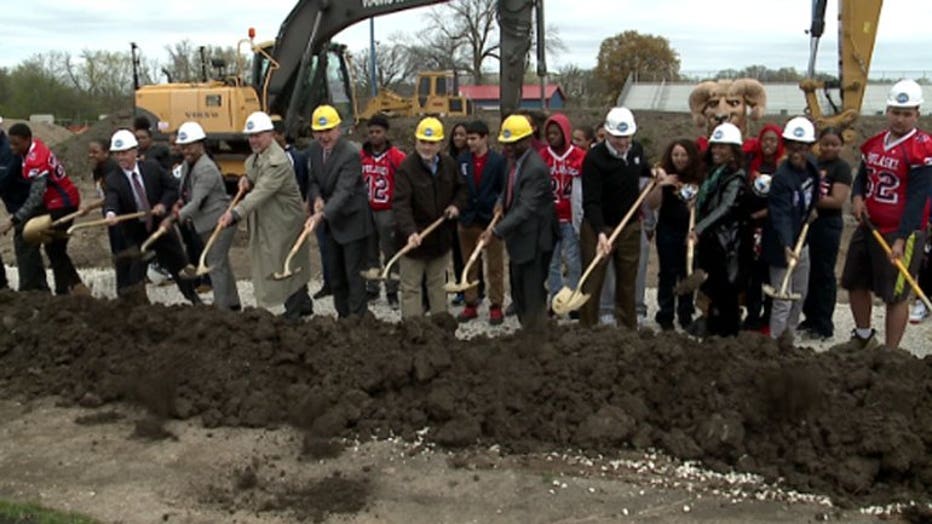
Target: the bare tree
pixel 471 26
pixel 394 66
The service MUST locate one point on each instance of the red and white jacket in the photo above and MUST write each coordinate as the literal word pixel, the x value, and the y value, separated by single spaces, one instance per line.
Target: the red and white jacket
pixel 378 171
pixel 61 193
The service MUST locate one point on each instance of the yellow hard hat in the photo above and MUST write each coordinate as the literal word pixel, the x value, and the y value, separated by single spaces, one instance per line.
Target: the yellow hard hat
pixel 325 117
pixel 514 128
pixel 429 129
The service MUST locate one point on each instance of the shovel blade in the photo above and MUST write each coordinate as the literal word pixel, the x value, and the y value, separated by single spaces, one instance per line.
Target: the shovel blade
pixel 567 300
pixel 691 283
pixel 372 273
pixel 575 302
pixel 285 274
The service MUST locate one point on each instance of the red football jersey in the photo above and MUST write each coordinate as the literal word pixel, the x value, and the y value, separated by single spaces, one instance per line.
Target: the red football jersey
pixel 887 167
pixel 379 173
pixel 563 169
pixel 60 193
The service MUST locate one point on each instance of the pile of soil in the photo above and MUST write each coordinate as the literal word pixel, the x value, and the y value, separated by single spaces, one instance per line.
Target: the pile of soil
pixel 853 425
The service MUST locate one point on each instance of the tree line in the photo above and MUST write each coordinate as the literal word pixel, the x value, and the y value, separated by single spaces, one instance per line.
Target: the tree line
pixel 461 36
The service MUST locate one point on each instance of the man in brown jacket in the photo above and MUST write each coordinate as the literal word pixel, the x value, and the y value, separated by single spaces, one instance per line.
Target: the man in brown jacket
pixel 426 188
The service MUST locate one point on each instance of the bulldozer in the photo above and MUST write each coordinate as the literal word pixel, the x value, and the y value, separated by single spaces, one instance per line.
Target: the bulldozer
pixel 302 69
pixel 435 93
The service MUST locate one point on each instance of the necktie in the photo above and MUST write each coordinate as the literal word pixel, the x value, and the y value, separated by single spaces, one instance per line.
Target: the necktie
pixel 510 193
pixel 326 156
pixel 142 201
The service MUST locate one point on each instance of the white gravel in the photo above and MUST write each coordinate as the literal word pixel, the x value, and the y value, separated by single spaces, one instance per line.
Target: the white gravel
pixel 917 340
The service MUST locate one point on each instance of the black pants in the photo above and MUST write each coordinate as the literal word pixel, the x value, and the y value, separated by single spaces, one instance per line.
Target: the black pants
pixel 724 317
pixel 824 239
pixel 168 253
pixel 754 299
pixel 346 263
pixel 528 291
pixel 29 264
pixel 66 276
pixel 671 253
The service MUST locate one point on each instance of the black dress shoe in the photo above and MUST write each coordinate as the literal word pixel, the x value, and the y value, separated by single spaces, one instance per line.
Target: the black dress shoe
pixel 324 291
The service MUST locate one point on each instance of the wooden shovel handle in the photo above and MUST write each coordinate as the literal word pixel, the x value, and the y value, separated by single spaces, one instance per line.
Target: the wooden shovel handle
pixel 408 247
pixel 479 247
pixel 213 236
pixel 900 266
pixel 617 231
pixel 81 212
pixel 298 243
pixel 791 264
pixel 690 244
pixel 103 221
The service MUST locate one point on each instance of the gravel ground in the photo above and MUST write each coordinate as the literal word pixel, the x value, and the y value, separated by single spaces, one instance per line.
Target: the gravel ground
pixel 918 338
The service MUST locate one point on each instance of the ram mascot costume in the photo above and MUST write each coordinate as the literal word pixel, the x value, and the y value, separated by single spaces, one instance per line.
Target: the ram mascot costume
pixel 717 101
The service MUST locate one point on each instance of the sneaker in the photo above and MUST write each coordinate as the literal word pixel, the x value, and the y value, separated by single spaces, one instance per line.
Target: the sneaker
pixel 918 312
pixel 324 291
pixel 372 296
pixel 510 310
pixel 392 301
pixel 468 313
pixel 857 343
pixel 458 300
pixel 496 316
pixel 667 325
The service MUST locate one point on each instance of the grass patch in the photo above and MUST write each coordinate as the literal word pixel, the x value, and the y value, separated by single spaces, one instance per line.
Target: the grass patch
pixel 17 513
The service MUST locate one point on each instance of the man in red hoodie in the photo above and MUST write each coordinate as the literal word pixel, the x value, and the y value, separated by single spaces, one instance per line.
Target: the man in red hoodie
pixel 565 162
pixel 50 191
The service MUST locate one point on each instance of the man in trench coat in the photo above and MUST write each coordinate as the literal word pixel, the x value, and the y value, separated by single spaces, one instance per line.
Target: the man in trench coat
pixel 274 213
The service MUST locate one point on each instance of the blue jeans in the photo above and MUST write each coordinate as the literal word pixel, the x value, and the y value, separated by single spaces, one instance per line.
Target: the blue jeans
pixel 565 250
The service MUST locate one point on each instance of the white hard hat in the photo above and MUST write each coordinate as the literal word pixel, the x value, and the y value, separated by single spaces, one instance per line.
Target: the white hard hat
pixel 257 123
pixel 799 129
pixel 761 184
pixel 726 134
pixel 190 132
pixel 905 93
pixel 620 122
pixel 123 140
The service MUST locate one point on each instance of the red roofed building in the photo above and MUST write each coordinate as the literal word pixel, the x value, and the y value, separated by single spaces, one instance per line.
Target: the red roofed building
pixel 488 96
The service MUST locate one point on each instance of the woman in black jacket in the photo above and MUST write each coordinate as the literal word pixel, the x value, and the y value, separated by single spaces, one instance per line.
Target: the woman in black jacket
pixel 681 166
pixel 720 230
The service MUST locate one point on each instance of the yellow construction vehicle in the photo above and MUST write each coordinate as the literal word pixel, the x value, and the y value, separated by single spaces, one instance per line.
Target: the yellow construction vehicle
pixel 857 32
pixel 435 93
pixel 302 70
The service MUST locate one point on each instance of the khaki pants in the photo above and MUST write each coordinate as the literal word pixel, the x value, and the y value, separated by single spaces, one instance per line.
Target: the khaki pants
pixel 413 271
pixel 494 266
pixel 625 258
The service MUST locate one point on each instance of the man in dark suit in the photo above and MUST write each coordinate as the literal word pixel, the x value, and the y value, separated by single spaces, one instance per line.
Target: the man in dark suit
pixel 143 186
pixel 530 223
pixel 336 189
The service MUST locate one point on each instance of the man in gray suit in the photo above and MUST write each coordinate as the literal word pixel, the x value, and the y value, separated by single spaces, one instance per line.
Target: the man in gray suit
pixel 337 193
pixel 203 198
pixel 529 226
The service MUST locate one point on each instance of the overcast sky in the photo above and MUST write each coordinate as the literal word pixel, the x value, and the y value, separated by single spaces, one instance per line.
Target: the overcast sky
pixel 708 36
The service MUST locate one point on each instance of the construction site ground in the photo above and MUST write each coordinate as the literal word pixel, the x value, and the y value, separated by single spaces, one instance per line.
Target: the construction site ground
pixel 178 414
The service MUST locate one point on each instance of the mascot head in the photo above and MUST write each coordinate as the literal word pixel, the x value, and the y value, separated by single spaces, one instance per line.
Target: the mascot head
pixel 715 102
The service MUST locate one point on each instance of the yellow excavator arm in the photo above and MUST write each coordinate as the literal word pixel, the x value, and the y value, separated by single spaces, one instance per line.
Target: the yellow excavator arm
pixel 857 32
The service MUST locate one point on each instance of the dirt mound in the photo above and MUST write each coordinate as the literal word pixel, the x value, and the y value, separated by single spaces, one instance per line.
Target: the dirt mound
pixel 51 134
pixel 856 425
